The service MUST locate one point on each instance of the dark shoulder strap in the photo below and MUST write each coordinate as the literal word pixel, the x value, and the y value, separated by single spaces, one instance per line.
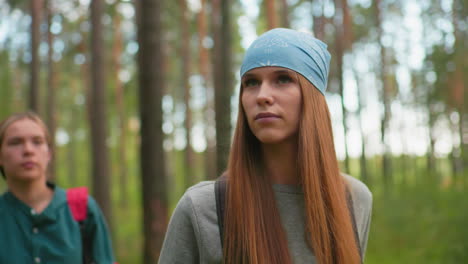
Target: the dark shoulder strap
pixel 349 199
pixel 77 199
pixel 220 194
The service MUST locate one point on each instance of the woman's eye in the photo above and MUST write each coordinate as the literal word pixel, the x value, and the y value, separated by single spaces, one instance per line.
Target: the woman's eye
pixel 284 79
pixel 38 141
pixel 14 142
pixel 250 82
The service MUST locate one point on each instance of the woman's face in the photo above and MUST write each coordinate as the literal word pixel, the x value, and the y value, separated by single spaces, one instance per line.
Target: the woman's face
pixel 24 152
pixel 272 99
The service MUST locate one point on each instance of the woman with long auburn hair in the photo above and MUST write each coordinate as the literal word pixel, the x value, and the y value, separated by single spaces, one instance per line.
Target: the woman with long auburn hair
pixel 285 198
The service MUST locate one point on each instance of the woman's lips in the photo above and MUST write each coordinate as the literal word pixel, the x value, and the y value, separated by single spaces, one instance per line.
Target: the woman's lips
pixel 28 165
pixel 266 115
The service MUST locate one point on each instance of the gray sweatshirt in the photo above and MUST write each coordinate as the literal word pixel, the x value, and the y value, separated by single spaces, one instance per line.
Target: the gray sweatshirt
pixel 193 233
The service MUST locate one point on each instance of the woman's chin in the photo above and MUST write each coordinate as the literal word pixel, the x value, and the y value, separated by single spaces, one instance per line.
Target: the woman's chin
pixel 270 138
pixel 28 176
pixel 273 137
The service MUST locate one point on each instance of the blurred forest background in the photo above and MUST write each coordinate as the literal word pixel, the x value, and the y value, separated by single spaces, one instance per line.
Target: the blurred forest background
pixel 141 96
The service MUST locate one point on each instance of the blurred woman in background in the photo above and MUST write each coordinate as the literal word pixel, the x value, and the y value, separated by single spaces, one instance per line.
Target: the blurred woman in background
pixel 36 223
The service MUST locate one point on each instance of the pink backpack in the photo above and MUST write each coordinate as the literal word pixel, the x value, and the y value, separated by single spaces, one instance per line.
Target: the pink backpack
pixel 77 199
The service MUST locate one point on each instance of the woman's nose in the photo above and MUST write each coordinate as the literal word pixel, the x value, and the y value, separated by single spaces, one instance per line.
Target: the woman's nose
pixel 265 95
pixel 28 147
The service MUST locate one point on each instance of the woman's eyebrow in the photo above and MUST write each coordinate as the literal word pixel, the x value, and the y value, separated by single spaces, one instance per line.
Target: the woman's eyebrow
pixel 248 75
pixel 13 138
pixel 284 71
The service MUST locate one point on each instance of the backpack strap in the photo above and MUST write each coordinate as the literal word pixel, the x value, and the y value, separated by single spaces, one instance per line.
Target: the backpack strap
pixel 220 196
pixel 349 200
pixel 77 199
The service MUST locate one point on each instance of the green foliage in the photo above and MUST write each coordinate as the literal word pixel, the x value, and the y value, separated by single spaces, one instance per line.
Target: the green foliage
pixel 422 224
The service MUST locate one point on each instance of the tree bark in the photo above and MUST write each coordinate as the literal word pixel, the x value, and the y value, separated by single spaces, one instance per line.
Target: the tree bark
pixel 81 88
pixel 34 94
pixel 386 159
pixel 223 80
pixel 50 107
pixel 98 117
pixel 344 112
pixel 430 158
pixel 319 23
pixel 285 13
pixel 153 168
pixel 460 94
pixel 340 50
pixel 272 17
pixel 72 145
pixel 206 72
pixel 463 132
pixel 347 25
pixel 119 102
pixel 363 157
pixel 186 63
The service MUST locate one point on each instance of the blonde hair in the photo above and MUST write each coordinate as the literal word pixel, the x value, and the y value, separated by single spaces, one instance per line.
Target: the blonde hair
pixel 20 116
pixel 251 217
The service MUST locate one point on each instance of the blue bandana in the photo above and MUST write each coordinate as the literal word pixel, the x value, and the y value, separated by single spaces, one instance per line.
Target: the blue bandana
pixel 287 48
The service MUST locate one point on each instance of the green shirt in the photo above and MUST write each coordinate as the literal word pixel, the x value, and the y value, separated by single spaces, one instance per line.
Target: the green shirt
pixel 51 237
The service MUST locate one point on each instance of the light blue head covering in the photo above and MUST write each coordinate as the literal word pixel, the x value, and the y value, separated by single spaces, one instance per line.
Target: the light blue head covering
pixel 287 48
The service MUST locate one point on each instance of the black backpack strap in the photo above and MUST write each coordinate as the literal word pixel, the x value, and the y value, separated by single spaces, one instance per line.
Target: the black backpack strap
pixel 349 199
pixel 220 194
pixel 86 245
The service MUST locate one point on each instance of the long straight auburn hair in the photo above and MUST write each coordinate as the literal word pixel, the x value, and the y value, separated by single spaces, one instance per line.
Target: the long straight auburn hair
pixel 253 232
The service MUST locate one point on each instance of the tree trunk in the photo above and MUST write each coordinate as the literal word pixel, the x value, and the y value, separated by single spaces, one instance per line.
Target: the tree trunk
pixel 340 50
pixel 34 95
pixel 460 79
pixel 223 80
pixel 344 112
pixel 153 168
pixel 50 107
pixel 186 63
pixel 205 71
pixel 407 161
pixel 285 13
pixel 319 22
pixel 72 145
pixel 463 132
pixel 430 159
pixel 119 102
pixel 98 118
pixel 362 158
pixel 272 17
pixel 386 159
pixel 81 88
pixel 347 33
